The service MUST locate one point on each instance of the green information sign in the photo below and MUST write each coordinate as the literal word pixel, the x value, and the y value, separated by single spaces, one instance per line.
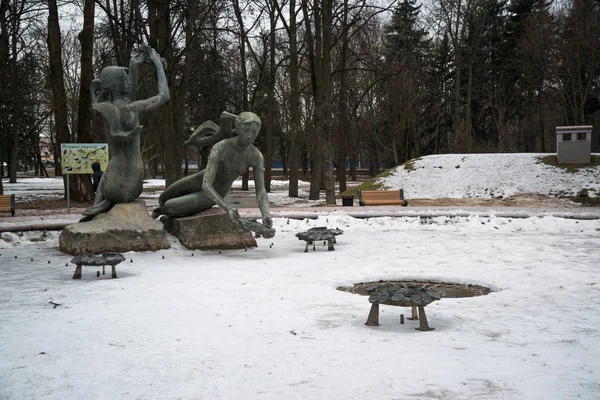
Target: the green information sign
pixel 77 158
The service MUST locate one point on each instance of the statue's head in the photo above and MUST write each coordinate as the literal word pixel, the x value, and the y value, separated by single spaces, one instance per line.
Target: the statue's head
pixel 247 126
pixel 113 80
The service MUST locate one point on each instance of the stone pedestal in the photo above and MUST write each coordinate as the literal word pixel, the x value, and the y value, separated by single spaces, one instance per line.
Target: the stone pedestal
pixel 209 230
pixel 125 227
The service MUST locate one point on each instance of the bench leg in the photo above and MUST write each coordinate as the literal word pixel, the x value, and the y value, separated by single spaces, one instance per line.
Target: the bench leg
pixel 306 247
pixel 423 325
pixel 330 244
pixel 373 318
pixel 114 272
pixel 77 274
pixel 103 272
pixel 414 316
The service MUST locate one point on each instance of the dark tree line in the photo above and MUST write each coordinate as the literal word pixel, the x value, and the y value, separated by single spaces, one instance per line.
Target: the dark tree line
pixel 336 83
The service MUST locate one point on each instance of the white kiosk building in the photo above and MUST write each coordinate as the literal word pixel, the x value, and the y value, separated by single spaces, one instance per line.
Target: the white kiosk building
pixel 574 144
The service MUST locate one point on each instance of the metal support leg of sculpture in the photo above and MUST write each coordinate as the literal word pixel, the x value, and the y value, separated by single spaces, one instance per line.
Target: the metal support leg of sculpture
pixel 114 272
pixel 77 274
pixel 414 316
pixel 423 325
pixel 373 318
pixel 330 244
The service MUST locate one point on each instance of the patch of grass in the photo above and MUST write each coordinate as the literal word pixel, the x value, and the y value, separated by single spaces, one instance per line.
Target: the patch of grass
pixel 584 198
pixel 371 184
pixel 570 168
pixel 368 185
pixel 410 164
pixel 587 201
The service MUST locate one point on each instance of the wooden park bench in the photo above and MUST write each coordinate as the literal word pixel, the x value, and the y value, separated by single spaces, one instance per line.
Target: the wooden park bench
pixel 381 197
pixel 7 203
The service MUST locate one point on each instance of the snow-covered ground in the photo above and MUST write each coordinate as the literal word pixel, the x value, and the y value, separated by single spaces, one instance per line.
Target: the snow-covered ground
pixel 31 189
pixel 268 323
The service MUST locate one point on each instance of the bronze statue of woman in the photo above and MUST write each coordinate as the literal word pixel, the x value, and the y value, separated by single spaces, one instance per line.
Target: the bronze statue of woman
pixel 113 96
pixel 228 159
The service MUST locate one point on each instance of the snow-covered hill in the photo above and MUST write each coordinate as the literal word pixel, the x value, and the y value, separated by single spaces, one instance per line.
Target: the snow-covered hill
pixel 489 176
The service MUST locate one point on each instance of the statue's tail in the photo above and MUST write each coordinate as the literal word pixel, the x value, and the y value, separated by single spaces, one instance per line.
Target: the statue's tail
pixel 96 209
pixel 206 134
pixel 210 133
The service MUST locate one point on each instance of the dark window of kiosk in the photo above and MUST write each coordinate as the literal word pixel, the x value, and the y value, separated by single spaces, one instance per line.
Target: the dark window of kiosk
pixel 566 137
pixel 581 135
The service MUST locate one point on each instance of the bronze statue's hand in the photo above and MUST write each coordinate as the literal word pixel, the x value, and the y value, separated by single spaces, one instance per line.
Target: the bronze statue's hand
pixel 139 58
pixel 141 54
pixel 267 221
pixel 233 214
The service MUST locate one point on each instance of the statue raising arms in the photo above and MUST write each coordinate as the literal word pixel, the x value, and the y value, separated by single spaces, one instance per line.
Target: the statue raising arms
pixel 113 96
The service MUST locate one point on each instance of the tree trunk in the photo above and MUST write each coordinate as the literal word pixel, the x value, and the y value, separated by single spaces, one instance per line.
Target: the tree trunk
pixel 343 107
pixel 468 122
pixel 542 133
pixel 270 100
pixel 169 113
pixel 245 92
pixel 353 160
pixel 319 47
pixel 395 151
pixel 82 189
pixel 59 97
pixel 4 50
pixel 16 100
pixel 314 51
pixel 12 171
pixel 456 123
pixel 86 38
pixel 295 116
pixel 327 9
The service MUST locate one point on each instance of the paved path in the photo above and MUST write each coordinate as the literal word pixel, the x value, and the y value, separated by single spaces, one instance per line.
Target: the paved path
pixel 59 219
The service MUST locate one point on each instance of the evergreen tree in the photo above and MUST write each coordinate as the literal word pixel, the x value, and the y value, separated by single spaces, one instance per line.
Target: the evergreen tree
pixel 406 49
pixel 518 11
pixel 404 36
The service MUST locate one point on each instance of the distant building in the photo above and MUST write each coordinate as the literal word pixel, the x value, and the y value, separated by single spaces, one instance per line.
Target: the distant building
pixel 574 144
pixel 46 151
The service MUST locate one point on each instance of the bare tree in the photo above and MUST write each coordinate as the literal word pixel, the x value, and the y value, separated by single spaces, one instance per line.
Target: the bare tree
pixel 4 53
pixel 318 39
pixel 294 98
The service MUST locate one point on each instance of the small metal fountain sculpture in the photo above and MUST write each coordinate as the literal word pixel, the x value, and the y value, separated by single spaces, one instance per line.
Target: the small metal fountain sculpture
pixel 411 293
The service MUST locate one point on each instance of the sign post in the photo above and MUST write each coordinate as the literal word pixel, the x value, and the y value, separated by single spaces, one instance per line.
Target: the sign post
pixel 77 158
pixel 68 195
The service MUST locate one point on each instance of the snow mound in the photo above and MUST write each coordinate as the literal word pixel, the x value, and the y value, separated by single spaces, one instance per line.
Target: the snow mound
pixel 489 176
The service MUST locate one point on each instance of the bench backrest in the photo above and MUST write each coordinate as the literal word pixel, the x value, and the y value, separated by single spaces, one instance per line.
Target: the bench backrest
pixel 377 197
pixel 381 195
pixel 7 203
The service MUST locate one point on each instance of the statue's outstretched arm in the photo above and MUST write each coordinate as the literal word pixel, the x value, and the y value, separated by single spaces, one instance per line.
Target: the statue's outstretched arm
pixel 139 56
pixel 163 88
pixel 261 192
